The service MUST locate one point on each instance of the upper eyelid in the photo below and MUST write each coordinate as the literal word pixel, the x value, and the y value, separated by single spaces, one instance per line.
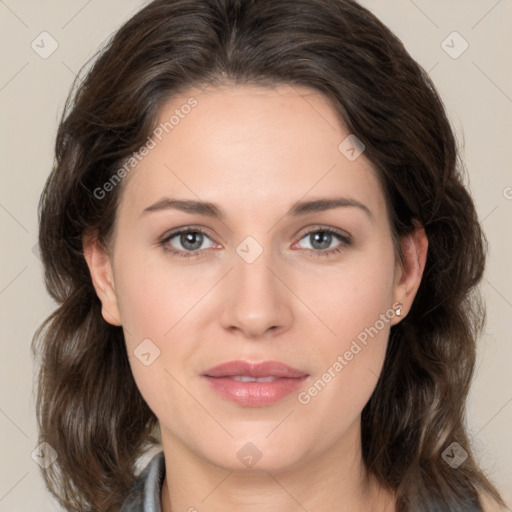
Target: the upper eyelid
pixel 186 229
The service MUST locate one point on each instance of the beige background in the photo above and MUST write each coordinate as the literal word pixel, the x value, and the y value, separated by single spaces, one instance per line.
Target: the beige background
pixel 476 88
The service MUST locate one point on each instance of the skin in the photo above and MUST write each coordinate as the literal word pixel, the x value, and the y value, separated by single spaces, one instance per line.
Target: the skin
pixel 254 152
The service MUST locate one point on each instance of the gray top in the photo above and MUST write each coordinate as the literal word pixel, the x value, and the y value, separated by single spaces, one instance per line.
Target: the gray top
pixel 146 492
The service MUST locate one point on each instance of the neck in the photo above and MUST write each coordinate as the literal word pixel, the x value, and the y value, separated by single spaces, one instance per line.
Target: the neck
pixel 336 480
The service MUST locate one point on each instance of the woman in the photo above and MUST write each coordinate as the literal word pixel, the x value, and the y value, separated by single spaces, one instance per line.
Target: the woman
pixel 265 260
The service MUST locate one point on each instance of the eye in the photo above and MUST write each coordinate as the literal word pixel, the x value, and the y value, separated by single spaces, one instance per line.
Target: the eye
pixel 320 241
pixel 190 240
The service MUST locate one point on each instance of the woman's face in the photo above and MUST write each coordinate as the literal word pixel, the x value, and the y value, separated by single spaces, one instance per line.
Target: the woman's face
pixel 264 279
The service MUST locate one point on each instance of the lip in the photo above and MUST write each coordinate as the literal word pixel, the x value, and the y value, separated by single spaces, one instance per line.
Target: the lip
pixel 264 369
pixel 254 394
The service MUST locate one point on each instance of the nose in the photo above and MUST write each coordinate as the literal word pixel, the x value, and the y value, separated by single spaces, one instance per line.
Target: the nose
pixel 258 300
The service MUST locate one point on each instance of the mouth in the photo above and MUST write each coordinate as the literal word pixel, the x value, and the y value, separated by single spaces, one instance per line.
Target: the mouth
pixel 254 384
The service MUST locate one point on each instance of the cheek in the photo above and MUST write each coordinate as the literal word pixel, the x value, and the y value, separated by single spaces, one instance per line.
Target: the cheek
pixel 158 305
pixel 152 294
pixel 351 363
pixel 352 296
pixel 356 306
pixel 151 310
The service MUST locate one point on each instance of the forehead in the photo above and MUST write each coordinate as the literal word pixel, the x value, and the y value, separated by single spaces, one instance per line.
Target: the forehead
pixel 250 146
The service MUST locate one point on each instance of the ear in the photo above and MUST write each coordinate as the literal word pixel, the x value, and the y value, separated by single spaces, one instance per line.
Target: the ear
pixel 408 276
pixel 100 268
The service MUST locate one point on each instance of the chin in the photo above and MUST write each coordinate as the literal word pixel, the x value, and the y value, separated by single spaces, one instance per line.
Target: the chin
pixel 256 454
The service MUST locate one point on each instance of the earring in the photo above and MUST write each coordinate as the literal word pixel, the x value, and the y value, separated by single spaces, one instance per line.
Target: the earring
pixel 399 310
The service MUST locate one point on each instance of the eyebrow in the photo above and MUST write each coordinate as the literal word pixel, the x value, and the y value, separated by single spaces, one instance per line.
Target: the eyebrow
pixel 298 209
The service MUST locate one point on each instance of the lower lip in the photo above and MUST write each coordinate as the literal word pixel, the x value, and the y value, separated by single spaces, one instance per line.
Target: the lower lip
pixel 255 394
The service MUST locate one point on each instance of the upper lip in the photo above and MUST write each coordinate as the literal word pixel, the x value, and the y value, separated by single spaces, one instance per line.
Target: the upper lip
pixel 263 369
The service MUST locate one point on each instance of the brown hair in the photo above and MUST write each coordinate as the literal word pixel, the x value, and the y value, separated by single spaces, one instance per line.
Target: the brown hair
pixel 89 408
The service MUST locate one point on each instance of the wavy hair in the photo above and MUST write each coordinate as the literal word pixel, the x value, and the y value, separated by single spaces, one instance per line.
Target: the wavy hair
pixel 89 408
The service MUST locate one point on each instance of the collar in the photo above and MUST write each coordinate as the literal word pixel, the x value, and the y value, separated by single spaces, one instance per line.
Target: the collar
pixel 146 493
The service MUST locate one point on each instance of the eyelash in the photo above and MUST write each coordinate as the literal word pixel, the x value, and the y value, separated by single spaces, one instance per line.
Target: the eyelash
pixel 345 240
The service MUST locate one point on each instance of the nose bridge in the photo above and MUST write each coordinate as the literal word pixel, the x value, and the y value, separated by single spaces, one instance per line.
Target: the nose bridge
pixel 252 267
pixel 258 300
